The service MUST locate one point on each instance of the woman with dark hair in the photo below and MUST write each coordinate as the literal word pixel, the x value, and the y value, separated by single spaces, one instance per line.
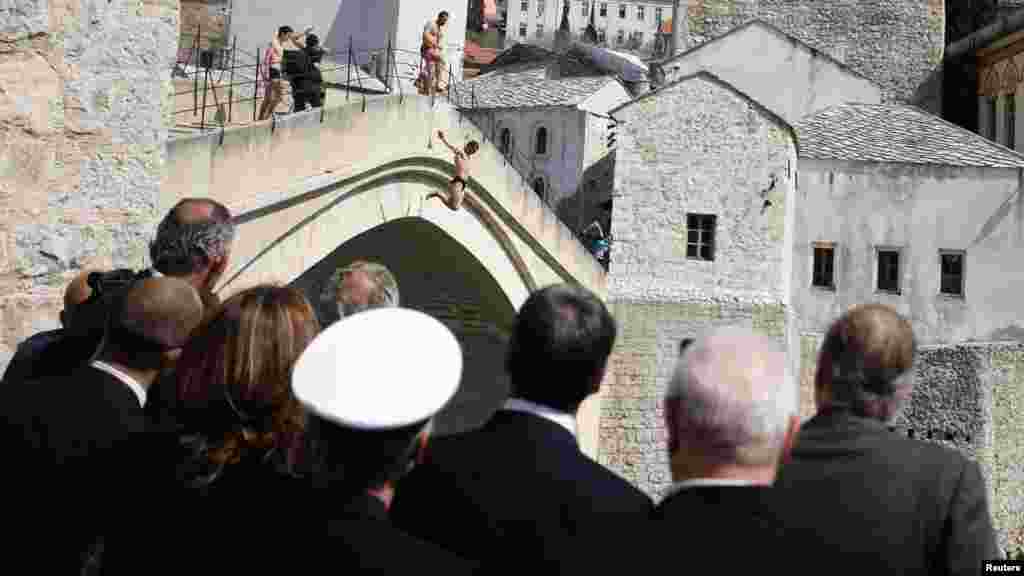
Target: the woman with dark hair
pixel 234 465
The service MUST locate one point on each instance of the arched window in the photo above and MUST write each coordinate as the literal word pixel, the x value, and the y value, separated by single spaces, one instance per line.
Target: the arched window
pixel 541 145
pixel 539 186
pixel 505 141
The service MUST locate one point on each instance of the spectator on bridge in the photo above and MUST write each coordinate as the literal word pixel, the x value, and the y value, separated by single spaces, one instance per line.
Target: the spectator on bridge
pixel 235 467
pixel 871 500
pixel 519 494
pixel 432 54
pixel 51 352
pixel 193 242
pixel 370 418
pixel 457 187
pixel 285 39
pixel 62 433
pixel 307 86
pixel 731 420
pixel 358 287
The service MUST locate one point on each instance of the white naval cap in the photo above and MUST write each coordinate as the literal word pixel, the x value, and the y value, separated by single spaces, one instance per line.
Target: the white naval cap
pixel 381 369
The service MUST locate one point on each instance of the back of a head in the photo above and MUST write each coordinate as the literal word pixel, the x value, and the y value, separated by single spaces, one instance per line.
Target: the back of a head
pixel 155 316
pixel 731 397
pixel 234 376
pixel 560 346
pixel 77 293
pixel 192 234
pixel 362 286
pixel 866 361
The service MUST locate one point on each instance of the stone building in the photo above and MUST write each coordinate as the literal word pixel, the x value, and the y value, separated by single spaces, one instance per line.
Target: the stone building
pixel 703 229
pixel 778 70
pixel 549 114
pixel 623 24
pixel 82 110
pixel 897 45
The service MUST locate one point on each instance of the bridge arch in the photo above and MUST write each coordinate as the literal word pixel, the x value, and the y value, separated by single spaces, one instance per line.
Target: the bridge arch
pixel 441 277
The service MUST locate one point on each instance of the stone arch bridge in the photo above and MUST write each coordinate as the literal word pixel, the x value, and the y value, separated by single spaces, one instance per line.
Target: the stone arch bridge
pixel 316 190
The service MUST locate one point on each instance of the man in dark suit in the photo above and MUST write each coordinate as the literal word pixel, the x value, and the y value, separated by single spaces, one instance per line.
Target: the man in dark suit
pixel 867 499
pixel 731 420
pixel 518 493
pixel 47 353
pixel 193 243
pixel 369 421
pixel 62 432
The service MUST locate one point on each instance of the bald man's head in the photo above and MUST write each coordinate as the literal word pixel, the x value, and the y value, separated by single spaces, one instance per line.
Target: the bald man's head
pixel 866 361
pixel 77 292
pixel 731 398
pixel 156 315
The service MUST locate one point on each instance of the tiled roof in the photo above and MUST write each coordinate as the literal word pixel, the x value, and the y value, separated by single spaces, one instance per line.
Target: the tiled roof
pixel 526 88
pixel 477 55
pixel 897 133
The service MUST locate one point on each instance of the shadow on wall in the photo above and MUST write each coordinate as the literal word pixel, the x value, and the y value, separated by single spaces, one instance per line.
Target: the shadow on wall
pixel 596 187
pixel 438 276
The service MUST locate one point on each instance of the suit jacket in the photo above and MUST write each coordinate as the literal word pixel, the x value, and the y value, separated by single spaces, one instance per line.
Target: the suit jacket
pixel 63 433
pixel 733 528
pixel 876 502
pixel 23 364
pixel 517 494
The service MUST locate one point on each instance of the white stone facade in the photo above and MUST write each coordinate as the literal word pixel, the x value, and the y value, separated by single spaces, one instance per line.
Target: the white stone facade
pixel 617 22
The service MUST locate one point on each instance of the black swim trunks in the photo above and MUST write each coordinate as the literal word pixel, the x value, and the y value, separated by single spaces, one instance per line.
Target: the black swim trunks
pixel 459 181
pixel 275 74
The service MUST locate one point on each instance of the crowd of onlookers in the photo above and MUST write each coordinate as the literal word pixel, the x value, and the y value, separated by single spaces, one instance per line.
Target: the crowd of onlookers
pixel 161 430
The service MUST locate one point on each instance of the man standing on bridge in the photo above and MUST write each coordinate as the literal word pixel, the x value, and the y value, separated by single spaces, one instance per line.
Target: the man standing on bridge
pixel 457 187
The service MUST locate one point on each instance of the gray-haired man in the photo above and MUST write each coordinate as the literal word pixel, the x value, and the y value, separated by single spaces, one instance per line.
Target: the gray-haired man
pixel 731 420
pixel 193 243
pixel 358 287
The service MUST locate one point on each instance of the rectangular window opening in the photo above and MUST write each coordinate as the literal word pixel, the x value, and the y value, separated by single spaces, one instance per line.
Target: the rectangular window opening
pixel 951 264
pixel 700 236
pixel 824 266
pixel 889 270
pixel 1010 116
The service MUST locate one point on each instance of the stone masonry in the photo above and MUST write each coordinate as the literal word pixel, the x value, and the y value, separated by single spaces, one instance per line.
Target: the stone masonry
pixel 84 87
pixel 896 43
pixel 695 146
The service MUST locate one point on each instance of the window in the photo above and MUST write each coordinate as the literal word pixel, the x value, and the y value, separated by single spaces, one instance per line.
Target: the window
pixel 539 186
pixel 604 10
pixel 700 236
pixel 621 37
pixel 524 6
pixel 586 8
pixel 639 38
pixel 658 14
pixel 824 266
pixel 951 263
pixel 522 30
pixel 889 270
pixel 622 10
pixel 640 13
pixel 505 140
pixel 602 36
pixel 540 7
pixel 1010 119
pixel 540 30
pixel 541 144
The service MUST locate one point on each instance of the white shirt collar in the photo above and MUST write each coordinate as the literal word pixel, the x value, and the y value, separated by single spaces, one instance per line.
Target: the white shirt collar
pixel 678 487
pixel 567 421
pixel 128 381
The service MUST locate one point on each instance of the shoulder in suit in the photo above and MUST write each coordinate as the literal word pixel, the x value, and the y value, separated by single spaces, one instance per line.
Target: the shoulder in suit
pixel 519 483
pixel 884 502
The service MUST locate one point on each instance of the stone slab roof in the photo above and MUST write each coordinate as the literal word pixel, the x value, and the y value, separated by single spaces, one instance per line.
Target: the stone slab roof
pixel 897 133
pixel 526 88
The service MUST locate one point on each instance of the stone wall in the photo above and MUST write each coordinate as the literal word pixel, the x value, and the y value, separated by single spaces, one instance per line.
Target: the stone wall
pixel 207 17
pixel 84 83
pixel 896 43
